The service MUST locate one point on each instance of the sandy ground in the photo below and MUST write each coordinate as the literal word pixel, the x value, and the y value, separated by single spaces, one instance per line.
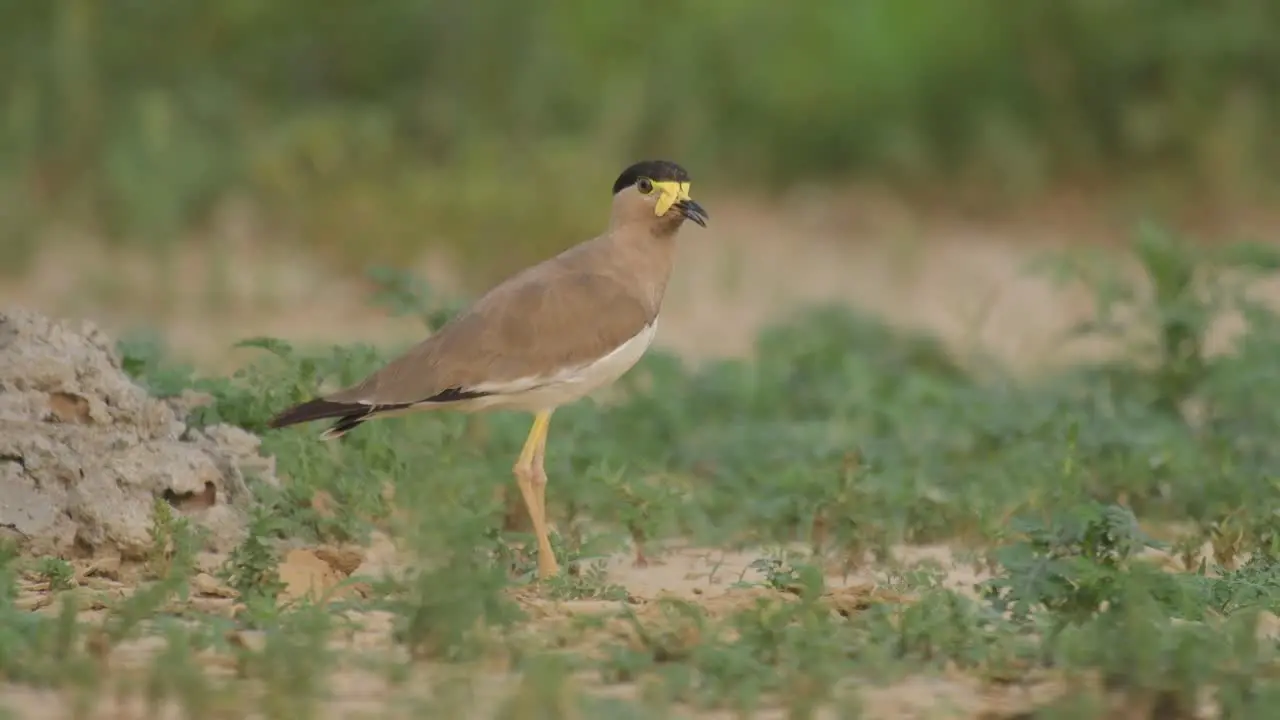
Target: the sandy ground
pixel 966 279
pixel 962 279
pixel 712 578
pixel 721 582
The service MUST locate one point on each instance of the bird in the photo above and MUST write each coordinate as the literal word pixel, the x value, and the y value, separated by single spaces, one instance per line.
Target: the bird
pixel 546 336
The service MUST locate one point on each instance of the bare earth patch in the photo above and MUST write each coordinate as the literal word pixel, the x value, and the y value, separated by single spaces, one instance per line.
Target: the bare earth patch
pixel 965 281
pixel 721 583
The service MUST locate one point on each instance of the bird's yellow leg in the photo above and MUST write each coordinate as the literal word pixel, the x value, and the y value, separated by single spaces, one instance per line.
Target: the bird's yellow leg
pixel 532 481
pixel 540 473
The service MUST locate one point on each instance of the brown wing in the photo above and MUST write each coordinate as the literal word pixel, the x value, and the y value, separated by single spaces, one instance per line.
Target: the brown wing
pixel 540 321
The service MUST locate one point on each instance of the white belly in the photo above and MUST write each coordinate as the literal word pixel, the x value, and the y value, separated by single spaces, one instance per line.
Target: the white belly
pixel 566 384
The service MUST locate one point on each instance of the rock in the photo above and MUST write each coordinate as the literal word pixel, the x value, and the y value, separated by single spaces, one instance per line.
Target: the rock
pixel 209 586
pixel 209 562
pixel 105 566
pixel 68 373
pixel 188 400
pixel 305 574
pixel 85 452
pixel 382 559
pixel 345 560
pixel 236 452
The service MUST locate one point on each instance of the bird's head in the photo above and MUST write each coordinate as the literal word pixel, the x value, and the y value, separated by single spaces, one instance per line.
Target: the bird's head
pixel 655 192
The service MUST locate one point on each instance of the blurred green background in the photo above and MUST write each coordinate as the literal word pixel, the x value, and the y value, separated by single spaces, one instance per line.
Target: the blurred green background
pixel 385 126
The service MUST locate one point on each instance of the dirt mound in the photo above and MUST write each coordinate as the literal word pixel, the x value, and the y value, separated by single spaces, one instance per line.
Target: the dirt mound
pixel 85 452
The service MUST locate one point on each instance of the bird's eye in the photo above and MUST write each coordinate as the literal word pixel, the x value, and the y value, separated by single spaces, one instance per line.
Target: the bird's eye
pixel 644 185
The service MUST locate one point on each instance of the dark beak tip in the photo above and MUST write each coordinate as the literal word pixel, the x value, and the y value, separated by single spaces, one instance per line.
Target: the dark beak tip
pixel 693 211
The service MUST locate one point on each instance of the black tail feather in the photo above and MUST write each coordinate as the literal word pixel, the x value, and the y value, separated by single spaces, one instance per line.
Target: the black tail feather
pixel 345 425
pixel 349 415
pixel 320 409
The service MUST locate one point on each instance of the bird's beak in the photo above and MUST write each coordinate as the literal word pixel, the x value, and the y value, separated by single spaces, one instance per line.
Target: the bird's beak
pixel 676 195
pixel 692 211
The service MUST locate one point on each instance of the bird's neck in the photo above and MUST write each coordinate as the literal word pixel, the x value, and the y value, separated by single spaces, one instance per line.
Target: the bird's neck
pixel 649 258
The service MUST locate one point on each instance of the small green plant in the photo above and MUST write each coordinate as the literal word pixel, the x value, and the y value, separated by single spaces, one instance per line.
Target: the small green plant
pixel 35 648
pixel 1164 318
pixel 1253 586
pixel 789 574
pixel 293 662
pixel 946 627
pixel 176 674
pixel 174 542
pixel 57 572
pixel 1070 567
pixel 252 567
pixel 585 583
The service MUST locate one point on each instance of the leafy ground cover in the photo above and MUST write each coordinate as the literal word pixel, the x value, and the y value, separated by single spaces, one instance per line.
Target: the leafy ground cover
pixel 851 523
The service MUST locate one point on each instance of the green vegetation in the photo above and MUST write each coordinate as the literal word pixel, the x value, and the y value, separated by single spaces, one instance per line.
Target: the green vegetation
pixel 1080 500
pixel 411 123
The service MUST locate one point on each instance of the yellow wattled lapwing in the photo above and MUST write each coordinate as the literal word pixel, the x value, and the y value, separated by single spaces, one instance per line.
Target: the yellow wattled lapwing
pixel 544 337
